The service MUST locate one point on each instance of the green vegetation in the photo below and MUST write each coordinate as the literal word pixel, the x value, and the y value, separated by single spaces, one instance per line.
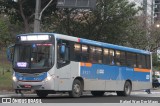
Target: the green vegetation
pixel 5 81
pixel 5 72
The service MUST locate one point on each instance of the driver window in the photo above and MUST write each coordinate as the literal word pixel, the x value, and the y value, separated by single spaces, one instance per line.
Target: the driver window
pixel 62 53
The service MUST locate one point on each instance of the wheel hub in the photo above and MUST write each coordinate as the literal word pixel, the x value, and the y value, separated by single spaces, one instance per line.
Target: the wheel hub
pixel 76 88
pixel 127 89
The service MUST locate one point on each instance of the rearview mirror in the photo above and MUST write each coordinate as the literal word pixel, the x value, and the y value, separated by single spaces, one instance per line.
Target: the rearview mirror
pixel 62 50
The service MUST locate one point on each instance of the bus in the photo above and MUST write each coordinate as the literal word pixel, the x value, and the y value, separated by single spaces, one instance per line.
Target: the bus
pixel 51 62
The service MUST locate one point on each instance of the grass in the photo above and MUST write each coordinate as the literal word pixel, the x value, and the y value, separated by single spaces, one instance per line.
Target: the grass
pixel 6 81
pixel 5 72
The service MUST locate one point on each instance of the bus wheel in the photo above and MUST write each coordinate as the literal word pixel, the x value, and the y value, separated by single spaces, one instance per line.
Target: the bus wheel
pixel 127 89
pixel 76 89
pixel 41 93
pixel 97 93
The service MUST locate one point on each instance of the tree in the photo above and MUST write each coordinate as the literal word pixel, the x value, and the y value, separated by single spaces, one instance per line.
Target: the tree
pixel 4 32
pixel 113 19
pixel 155 44
pixel 107 23
pixel 23 11
pixel 155 38
pixel 136 34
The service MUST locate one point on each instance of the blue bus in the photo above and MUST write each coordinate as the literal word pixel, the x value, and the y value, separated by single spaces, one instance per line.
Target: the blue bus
pixel 51 63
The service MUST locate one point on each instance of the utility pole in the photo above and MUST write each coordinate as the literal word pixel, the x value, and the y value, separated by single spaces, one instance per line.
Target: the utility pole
pixel 145 15
pixel 37 14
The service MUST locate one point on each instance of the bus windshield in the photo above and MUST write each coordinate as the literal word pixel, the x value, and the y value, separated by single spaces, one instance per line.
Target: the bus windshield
pixel 33 56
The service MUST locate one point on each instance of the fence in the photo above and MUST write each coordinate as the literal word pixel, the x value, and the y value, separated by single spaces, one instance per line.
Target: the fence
pixel 5 65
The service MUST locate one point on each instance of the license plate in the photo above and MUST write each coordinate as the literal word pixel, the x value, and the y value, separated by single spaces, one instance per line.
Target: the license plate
pixel 27 86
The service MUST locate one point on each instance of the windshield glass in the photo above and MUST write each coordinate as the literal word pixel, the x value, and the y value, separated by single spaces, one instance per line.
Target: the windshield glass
pixel 34 56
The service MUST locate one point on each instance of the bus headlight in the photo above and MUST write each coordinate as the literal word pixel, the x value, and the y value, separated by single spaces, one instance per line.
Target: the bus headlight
pixel 14 77
pixel 49 77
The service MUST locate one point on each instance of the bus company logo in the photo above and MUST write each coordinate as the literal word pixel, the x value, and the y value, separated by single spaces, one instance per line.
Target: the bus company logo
pixel 100 71
pixel 6 100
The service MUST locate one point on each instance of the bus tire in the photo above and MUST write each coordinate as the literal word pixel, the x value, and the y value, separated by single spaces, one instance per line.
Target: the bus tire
pixel 41 93
pixel 76 89
pixel 127 89
pixel 97 93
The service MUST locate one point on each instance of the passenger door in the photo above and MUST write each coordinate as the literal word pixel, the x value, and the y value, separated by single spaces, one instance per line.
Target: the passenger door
pixel 63 64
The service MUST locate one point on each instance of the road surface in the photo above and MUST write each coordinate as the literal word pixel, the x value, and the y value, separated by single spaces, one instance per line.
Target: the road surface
pixel 138 96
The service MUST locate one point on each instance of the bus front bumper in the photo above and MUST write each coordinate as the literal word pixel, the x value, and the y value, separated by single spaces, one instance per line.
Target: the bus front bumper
pixel 43 85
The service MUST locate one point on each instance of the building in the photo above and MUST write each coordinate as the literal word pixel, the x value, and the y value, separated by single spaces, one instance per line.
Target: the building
pixel 147 11
pixel 157 10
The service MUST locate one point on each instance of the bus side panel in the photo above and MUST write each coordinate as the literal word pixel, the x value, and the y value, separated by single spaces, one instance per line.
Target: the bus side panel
pixel 94 84
pixel 66 76
pixel 107 77
pixel 103 77
pixel 75 69
pixel 103 85
pixel 141 81
pixel 114 85
pixel 139 85
pixel 63 77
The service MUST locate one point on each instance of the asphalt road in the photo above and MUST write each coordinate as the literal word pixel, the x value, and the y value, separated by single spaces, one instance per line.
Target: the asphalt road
pixel 138 96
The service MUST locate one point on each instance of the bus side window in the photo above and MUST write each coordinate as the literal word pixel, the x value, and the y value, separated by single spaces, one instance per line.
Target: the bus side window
pixel 144 61
pixel 85 54
pixel 77 52
pixel 99 54
pixel 111 57
pixel 131 59
pixel 92 53
pixel 123 58
pixel 106 56
pixel 139 61
pixel 118 58
pixel 148 62
pixel 95 54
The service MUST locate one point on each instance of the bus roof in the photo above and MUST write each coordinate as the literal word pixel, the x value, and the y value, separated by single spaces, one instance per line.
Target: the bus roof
pixel 92 42
pixel 102 44
pixel 112 46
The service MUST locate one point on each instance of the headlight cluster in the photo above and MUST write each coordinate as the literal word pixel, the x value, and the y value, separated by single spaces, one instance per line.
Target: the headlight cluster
pixel 49 77
pixel 14 78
